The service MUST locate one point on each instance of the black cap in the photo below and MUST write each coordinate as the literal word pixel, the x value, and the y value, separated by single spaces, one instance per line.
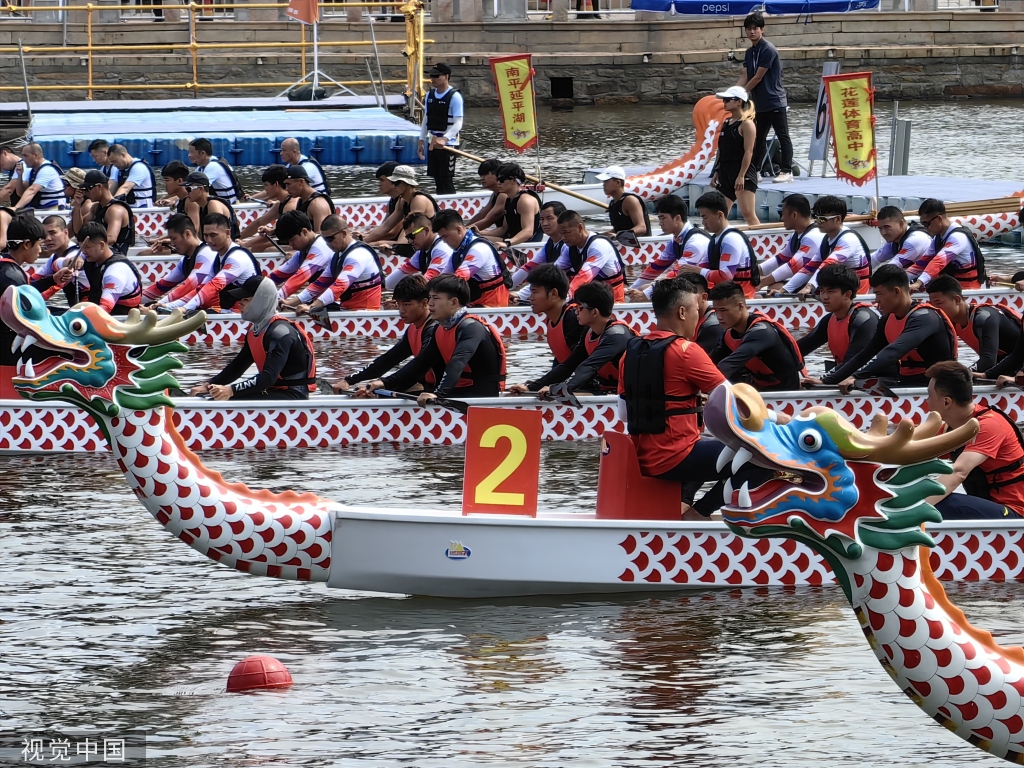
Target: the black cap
pixel 440 69
pixel 297 172
pixel 244 290
pixel 197 179
pixel 94 177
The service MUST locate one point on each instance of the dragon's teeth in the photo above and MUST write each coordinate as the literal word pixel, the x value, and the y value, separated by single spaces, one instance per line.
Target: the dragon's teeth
pixel 30 371
pixel 745 496
pixel 724 458
pixel 20 367
pixel 29 341
pixel 727 491
pixel 742 457
pixel 16 345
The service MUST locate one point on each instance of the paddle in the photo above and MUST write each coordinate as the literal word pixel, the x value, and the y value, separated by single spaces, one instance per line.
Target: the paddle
pixel 560 394
pixel 320 317
pixel 454 405
pixel 277 247
pixel 876 387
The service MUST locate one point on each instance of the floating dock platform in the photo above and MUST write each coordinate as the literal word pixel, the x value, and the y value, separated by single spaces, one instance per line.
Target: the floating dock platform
pixel 343 130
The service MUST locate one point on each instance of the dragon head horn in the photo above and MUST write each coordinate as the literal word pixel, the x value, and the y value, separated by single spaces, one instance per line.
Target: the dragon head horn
pixel 907 444
pixel 151 330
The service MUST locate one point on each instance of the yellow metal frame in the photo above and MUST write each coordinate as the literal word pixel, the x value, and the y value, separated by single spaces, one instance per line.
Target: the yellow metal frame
pixel 412 48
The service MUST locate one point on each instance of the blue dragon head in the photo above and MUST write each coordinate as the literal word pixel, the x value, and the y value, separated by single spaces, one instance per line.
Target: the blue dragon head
pixel 88 358
pixel 835 488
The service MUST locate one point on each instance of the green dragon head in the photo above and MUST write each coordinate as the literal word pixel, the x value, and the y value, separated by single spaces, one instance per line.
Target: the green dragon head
pixel 93 361
pixel 835 488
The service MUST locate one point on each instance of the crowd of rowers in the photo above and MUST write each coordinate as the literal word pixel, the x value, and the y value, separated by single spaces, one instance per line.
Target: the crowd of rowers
pixel 699 287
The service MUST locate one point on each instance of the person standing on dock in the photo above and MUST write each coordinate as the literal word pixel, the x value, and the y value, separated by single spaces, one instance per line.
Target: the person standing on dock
pixel 904 244
pixel 688 246
pixel 627 211
pixel 955 250
pixel 754 349
pixel 909 339
pixel 139 185
pixel 730 256
pixel 839 245
pixel 115 216
pixel 801 247
pixel 222 177
pixel 291 154
pixel 315 205
pixel 762 78
pixel 734 173
pixel 849 325
pixel 442 122
pixel 991 331
pixel 41 185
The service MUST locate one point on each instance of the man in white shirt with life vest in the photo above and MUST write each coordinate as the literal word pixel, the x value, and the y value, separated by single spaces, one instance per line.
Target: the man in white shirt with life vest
pixel 41 185
pixel 291 154
pixel 193 270
pixel 442 123
pixel 955 250
pixel 433 256
pixel 312 254
pixel 801 247
pixel 730 257
pixel 589 257
pixel 839 245
pixel 688 246
pixel 281 351
pixel 137 180
pixel 904 244
pixel 221 175
pixel 475 260
pixel 107 278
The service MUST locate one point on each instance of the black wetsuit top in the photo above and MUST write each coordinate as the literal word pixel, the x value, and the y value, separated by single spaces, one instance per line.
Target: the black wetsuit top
pixel 394 357
pixel 11 273
pixel 474 346
pixel 998 334
pixel 287 358
pixel 862 328
pixel 709 335
pixel 581 369
pixel 763 341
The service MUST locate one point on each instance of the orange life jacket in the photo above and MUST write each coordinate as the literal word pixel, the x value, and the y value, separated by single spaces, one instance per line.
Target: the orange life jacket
pixel 259 354
pixel 839 333
pixel 607 374
pixel 445 340
pixel 556 335
pixel 912 364
pixel 762 374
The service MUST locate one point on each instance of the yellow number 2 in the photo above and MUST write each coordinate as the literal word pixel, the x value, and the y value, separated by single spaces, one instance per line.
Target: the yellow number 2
pixel 485 493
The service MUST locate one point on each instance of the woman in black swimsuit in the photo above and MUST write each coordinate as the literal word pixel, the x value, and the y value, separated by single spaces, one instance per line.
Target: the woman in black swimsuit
pixel 734 174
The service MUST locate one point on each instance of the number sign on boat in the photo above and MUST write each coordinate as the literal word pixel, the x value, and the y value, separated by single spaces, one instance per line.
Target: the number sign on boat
pixel 502 471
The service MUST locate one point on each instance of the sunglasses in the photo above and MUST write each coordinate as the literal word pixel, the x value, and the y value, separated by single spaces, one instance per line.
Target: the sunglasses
pixel 331 236
pixel 823 219
pixel 586 307
pixel 928 222
pixel 414 232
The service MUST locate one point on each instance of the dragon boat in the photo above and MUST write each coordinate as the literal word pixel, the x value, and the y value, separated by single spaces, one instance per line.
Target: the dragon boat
pixel 847 507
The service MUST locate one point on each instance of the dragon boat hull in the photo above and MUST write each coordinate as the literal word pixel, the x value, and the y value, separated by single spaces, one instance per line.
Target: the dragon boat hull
pixel 445 555
pixel 326 420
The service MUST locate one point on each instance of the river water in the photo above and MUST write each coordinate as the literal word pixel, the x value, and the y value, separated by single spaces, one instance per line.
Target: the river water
pixel 108 623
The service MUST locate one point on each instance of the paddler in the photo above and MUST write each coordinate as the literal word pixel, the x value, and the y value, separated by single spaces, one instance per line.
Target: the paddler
pixel 955 250
pixel 24 240
pixel 661 377
pixel 492 214
pixel 589 257
pixel 282 352
pixel 107 278
pixel 41 185
pixel 593 365
pixel 909 339
pixel 753 349
pixel 312 254
pixel 410 296
pixel 173 175
pixel 64 259
pixel 291 154
pixel 549 289
pixel 905 244
pixel 389 230
pixel 990 330
pixel 256 234
pixel 465 347
pixel 627 211
pixel 730 256
pixel 432 257
pixel 201 202
pixel 840 245
pixel 801 247
pixel 115 216
pixel 136 180
pixel 221 175
pixel 709 330
pixel 546 254
pixel 352 279
pixel 688 245
pixel 521 222
pixel 99 151
pixel 315 205
pixel 194 270
pixel 991 466
pixel 408 199
pixel 848 326
pixel 475 260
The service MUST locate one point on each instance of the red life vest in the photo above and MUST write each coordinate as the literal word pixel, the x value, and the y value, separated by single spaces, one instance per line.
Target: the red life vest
pixel 259 353
pixel 967 332
pixel 445 340
pixel 607 374
pixel 762 374
pixel 556 335
pixel 415 336
pixel 912 364
pixel 839 333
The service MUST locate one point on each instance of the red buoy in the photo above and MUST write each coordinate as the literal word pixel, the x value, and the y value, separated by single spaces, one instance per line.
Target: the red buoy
pixel 256 672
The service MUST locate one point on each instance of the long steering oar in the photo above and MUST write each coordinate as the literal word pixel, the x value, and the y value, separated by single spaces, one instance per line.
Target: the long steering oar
pixel 454 405
pixel 529 177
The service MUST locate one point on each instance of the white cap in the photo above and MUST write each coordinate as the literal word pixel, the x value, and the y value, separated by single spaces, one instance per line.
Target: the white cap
pixel 612 172
pixel 734 92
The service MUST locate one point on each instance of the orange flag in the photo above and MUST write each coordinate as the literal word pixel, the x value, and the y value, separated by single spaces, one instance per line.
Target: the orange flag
pixel 306 11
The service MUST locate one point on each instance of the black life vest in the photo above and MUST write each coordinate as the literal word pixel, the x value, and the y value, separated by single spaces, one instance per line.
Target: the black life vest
pixel 95 272
pixel 551 251
pixel 827 246
pixel 980 483
pixel 218 261
pixel 438 109
pixel 324 188
pixel 236 230
pixel 647 405
pixel 513 221
pixel 751 274
pixel 898 243
pixel 338 262
pixel 303 205
pixel 620 220
pixel 133 195
pixel 188 263
pixel 797 239
pixel 426 256
pixel 478 287
pixel 407 206
pixel 968 274
pixel 236 190
pixel 258 350
pixel 577 256
pixel 126 236
pixel 678 249
pixel 46 198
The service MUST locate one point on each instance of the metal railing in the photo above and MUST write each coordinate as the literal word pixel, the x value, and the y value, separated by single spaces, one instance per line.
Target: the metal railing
pixel 412 47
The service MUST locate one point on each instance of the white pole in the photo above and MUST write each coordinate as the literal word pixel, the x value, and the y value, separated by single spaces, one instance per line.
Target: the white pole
pixel 316 58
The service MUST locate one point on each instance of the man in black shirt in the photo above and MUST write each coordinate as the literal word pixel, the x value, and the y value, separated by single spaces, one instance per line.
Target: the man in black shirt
pixel 991 331
pixel 762 77
pixel 24 244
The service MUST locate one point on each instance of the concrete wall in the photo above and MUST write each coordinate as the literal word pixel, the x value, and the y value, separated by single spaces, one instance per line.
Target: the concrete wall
pixel 915 55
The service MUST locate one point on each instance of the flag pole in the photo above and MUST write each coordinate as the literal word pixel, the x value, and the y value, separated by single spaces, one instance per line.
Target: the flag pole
pixel 316 54
pixel 536 126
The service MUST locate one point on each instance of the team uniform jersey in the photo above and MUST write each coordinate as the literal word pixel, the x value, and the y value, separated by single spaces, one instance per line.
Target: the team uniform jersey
pixel 548 253
pixel 998 441
pixel 601 262
pixel 846 249
pixel 220 180
pixel 480 264
pixel 302 267
pixel 735 259
pixel 182 281
pixel 905 252
pixel 42 276
pixel 118 281
pixel 436 261
pixel 957 250
pixel 50 183
pixel 799 250
pixel 689 248
pixel 355 267
pixel 236 266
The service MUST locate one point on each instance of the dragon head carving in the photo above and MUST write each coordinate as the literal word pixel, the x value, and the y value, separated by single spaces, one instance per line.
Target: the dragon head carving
pixel 94 361
pixel 835 488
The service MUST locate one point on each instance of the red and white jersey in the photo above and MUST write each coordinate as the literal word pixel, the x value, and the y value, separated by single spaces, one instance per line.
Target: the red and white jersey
pixel 797 253
pixel 302 268
pixel 916 244
pixel 674 255
pixel 236 266
pixel 479 262
pixel 846 249
pixel 600 261
pixel 438 258
pixel 359 266
pixel 176 284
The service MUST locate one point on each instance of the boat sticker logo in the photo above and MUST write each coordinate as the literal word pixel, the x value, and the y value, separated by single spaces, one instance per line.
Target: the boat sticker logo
pixel 456 551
